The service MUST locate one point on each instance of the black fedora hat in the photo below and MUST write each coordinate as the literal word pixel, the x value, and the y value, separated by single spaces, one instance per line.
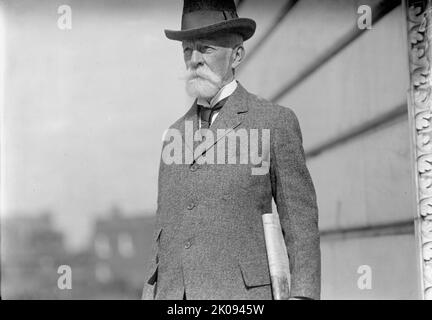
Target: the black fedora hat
pixel 208 17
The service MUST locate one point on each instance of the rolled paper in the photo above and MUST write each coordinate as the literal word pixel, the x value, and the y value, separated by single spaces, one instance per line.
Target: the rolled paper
pixel 277 256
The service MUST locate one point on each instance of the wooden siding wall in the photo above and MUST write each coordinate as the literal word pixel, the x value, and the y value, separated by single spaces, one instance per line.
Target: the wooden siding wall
pixel 348 88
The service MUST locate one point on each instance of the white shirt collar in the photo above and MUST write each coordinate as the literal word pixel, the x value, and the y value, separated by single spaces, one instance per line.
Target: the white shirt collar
pixel 224 92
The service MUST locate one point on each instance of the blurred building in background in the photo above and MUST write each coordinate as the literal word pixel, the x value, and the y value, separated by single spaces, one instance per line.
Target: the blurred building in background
pixel 112 266
pixel 32 250
pixel 122 249
pixel 85 116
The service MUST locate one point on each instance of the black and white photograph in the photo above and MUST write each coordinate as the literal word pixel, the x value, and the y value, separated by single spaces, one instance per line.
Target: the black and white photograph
pixel 238 150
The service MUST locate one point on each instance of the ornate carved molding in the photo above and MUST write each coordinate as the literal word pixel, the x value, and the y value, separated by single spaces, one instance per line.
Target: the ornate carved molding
pixel 419 17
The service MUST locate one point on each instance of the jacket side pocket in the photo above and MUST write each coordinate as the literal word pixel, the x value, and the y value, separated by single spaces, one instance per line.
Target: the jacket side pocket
pixel 255 273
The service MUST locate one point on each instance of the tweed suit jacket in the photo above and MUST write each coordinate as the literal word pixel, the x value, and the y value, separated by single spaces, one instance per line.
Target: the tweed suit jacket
pixel 209 238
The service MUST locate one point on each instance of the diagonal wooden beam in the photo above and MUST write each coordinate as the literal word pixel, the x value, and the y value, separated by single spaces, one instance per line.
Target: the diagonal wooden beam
pixel 276 22
pixel 378 12
pixel 397 114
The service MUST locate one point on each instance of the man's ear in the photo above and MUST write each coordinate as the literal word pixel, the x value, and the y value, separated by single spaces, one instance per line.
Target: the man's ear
pixel 238 56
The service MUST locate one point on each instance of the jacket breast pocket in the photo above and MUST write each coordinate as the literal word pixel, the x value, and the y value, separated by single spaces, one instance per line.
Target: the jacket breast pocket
pixel 255 272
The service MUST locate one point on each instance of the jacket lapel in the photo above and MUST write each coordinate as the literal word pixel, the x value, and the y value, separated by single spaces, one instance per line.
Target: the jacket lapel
pixel 187 126
pixel 229 118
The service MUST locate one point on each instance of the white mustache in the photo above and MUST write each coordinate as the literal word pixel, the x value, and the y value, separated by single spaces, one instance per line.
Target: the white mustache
pixel 204 73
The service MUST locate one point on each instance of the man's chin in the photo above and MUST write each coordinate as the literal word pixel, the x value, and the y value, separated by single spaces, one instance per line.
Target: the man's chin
pixel 198 88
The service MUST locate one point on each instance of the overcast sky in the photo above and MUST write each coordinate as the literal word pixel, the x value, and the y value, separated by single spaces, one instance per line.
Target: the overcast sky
pixel 85 108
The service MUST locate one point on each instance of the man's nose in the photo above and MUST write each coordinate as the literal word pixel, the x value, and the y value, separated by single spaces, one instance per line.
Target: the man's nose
pixel 196 58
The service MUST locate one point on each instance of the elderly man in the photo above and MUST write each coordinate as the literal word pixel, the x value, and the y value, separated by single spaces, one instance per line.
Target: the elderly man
pixel 209 241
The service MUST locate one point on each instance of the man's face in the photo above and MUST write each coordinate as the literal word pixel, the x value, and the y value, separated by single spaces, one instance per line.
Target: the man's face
pixel 209 65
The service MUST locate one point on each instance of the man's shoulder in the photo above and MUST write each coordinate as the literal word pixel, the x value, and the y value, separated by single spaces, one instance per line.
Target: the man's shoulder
pixel 262 108
pixel 180 120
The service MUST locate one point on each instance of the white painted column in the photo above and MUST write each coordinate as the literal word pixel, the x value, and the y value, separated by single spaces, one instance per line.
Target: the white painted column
pixel 419 24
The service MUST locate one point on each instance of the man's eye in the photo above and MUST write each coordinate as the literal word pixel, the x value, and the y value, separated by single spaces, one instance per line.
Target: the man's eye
pixel 186 50
pixel 207 49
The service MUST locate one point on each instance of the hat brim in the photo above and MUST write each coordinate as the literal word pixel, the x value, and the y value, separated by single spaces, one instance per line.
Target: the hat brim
pixel 243 26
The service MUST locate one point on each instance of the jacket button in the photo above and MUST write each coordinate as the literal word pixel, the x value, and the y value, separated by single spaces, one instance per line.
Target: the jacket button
pixel 191 206
pixel 188 244
pixel 194 167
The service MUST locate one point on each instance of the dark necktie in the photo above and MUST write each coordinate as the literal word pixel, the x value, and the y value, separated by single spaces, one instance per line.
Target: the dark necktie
pixel 207 113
